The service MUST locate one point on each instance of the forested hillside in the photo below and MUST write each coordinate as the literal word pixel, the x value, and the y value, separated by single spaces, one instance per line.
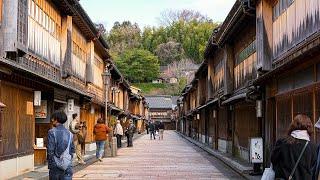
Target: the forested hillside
pixel 139 52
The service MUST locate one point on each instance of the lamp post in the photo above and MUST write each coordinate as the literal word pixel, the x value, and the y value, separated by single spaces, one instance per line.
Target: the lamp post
pixel 106 76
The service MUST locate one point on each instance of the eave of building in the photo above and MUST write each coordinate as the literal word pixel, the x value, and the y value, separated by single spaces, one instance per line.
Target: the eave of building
pixel 227 29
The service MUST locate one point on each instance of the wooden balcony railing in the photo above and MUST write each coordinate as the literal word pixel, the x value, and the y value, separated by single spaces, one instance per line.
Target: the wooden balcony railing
pixel 98 93
pixel 40 67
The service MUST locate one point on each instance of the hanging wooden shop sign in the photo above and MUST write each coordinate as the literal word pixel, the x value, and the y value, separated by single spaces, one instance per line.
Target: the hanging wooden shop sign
pixel 70 105
pixel 37 98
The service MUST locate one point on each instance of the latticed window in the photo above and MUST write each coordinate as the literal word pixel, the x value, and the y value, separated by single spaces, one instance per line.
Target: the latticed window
pixel 244 70
pixel 284 115
pixel 79 53
pixel 218 76
pixel 44 31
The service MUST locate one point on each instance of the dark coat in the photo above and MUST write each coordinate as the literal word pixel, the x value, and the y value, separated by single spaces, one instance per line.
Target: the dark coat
pixel 161 125
pixel 317 168
pixel 131 130
pixel 152 127
pixel 285 155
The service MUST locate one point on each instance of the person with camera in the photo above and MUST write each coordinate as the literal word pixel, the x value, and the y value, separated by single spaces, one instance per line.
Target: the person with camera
pixel 77 137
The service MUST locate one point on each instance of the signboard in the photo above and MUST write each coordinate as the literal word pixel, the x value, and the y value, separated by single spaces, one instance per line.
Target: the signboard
pixel 70 105
pixel 256 150
pixel 39 142
pixel 29 108
pixel 92 110
pixel 42 110
pixel 37 98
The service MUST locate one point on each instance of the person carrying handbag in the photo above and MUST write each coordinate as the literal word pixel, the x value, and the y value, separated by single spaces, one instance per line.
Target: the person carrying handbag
pixel 294 156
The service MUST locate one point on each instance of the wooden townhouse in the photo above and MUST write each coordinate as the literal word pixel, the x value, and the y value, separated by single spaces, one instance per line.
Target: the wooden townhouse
pixel 138 108
pixel 52 58
pixel 221 100
pixel 262 70
pixel 288 33
pixel 161 108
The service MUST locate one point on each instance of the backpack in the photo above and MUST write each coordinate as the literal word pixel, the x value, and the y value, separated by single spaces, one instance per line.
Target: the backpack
pixel 65 160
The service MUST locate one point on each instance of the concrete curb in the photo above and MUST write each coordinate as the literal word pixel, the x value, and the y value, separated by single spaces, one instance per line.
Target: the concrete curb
pixel 236 166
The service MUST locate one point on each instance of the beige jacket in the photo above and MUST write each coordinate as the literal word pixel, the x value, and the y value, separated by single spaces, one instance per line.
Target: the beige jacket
pixel 118 129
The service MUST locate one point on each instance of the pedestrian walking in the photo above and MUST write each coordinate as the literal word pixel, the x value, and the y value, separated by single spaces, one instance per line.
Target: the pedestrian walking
pixel 156 124
pixel 294 156
pixel 147 127
pixel 83 134
pixel 129 133
pixel 60 148
pixel 118 132
pixel 101 135
pixel 77 137
pixel 161 130
pixel 152 129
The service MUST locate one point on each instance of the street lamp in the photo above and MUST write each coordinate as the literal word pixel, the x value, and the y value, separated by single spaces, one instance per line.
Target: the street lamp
pixel 106 76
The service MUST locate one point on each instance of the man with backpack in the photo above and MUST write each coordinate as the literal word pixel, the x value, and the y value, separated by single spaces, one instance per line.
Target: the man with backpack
pixel 60 148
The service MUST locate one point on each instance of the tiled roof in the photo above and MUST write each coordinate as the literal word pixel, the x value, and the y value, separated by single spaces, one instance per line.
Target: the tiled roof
pixel 159 102
pixel 174 100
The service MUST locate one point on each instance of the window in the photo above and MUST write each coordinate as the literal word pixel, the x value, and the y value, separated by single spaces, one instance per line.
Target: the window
pixel 280 7
pixel 246 52
pixel 42 37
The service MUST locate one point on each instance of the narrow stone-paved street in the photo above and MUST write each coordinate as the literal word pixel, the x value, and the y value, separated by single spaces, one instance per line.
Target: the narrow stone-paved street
pixel 172 158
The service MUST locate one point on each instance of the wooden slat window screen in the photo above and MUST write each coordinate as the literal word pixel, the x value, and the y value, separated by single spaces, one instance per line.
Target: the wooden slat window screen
pixel 317 113
pixel 44 32
pixel 245 71
pixel 246 124
pixel 293 22
pixel 79 53
pixel 222 124
pixel 97 71
pixel 303 104
pixel 18 126
pixel 284 115
pixel 218 76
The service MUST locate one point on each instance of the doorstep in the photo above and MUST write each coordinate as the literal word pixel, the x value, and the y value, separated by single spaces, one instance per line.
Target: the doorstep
pixel 243 168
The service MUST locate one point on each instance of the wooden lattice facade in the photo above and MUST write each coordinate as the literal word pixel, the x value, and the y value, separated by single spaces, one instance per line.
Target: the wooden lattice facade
pixel 268 55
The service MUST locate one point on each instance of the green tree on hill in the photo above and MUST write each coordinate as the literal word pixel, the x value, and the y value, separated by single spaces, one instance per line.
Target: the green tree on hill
pixel 138 65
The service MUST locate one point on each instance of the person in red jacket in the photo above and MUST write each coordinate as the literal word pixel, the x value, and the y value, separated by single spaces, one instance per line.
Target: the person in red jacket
pixel 101 135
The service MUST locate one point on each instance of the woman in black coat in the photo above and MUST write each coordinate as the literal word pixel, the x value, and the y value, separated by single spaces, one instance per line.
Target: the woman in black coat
pixel 287 150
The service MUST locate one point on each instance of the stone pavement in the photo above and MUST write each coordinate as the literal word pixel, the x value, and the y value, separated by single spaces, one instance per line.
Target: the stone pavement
pixel 42 172
pixel 172 158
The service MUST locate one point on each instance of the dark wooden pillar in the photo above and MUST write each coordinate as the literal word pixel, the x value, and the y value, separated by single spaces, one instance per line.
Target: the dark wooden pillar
pixel 264 36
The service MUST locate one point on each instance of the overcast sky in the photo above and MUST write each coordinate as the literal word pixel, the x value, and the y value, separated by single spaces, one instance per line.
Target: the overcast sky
pixel 146 12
